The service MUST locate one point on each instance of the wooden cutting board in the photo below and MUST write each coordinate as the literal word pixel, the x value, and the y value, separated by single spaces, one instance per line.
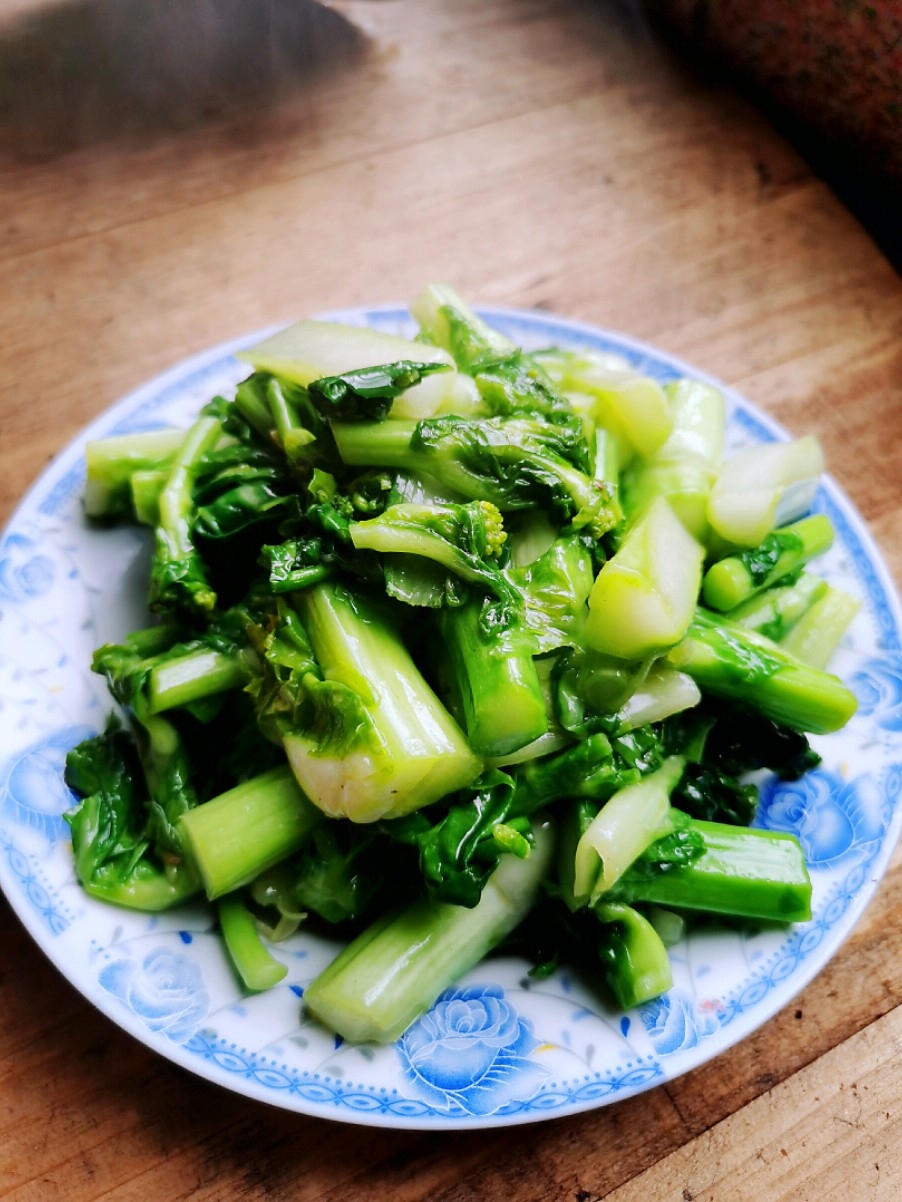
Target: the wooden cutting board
pixel 534 153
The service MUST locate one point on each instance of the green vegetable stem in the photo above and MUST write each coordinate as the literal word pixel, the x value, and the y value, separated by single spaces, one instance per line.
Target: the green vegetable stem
pixel 385 978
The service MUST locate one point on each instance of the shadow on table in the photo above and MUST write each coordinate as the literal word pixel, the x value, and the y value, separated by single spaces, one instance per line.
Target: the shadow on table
pixel 859 173
pixel 81 72
pixel 874 201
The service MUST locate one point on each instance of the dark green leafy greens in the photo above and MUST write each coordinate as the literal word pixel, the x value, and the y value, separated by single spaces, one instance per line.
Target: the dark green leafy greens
pixel 369 697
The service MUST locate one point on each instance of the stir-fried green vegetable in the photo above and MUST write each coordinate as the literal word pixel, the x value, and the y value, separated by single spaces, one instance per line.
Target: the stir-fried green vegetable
pixel 457 643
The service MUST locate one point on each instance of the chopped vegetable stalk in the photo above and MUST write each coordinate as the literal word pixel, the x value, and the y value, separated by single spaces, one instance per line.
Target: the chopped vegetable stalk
pixel 629 822
pixel 744 872
pixel 379 743
pixel 312 350
pixel 670 926
pixel 632 406
pixel 383 980
pixel 111 463
pixel 607 470
pixel 498 692
pixel 685 467
pixel 636 964
pixel 232 838
pixel 179 577
pixel 764 486
pixel 729 661
pixel 662 693
pixel 819 631
pixel 145 487
pixel 527 541
pixel 587 685
pixel 253 961
pixel 644 596
pixel 287 424
pixel 181 680
pixel 607 394
pixel 699 415
pixel 776 610
pixel 741 576
pixel 552 741
pixel 450 321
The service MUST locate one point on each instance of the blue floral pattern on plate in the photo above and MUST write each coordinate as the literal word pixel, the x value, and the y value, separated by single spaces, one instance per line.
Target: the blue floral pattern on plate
pixel 676 1023
pixel 833 819
pixel 32 789
pixel 878 686
pixel 165 990
pixel 471 1052
pixel 495 1049
pixel 24 571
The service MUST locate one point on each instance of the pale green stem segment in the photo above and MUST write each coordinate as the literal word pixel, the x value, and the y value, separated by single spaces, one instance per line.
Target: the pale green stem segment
pixel 146 486
pixel 111 463
pixel 233 838
pixel 684 469
pixel 253 961
pixel 643 598
pixel 736 578
pixel 624 827
pixel 819 632
pixel 500 696
pixel 774 612
pixel 413 752
pixel 637 966
pixel 387 977
pixel 748 873
pixel 728 661
pixel 764 486
pixel 179 682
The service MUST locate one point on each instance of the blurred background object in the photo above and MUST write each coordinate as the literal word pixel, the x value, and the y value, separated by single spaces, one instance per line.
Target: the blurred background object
pixel 78 72
pixel 829 74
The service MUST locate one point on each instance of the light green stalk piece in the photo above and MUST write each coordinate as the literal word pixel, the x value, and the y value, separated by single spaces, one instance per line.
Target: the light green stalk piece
pixel 384 980
pixel 644 597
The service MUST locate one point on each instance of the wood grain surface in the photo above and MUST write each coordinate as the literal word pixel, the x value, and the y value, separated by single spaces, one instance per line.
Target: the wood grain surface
pixel 534 153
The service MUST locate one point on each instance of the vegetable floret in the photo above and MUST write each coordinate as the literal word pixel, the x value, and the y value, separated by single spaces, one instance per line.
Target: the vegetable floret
pixel 466 539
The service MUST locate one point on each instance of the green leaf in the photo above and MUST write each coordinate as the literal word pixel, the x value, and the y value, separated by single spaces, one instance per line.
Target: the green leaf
pixel 367 393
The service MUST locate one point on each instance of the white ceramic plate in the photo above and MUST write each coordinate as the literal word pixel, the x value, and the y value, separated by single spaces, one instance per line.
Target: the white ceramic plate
pixel 498 1048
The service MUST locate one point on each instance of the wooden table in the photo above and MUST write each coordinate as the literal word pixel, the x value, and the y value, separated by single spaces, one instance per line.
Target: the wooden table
pixel 534 153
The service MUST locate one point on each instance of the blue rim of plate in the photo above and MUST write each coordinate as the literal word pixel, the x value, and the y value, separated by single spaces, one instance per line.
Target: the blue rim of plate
pixel 498 1049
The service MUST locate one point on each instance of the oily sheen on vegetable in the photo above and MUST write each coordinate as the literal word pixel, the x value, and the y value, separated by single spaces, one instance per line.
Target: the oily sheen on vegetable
pixel 454 646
